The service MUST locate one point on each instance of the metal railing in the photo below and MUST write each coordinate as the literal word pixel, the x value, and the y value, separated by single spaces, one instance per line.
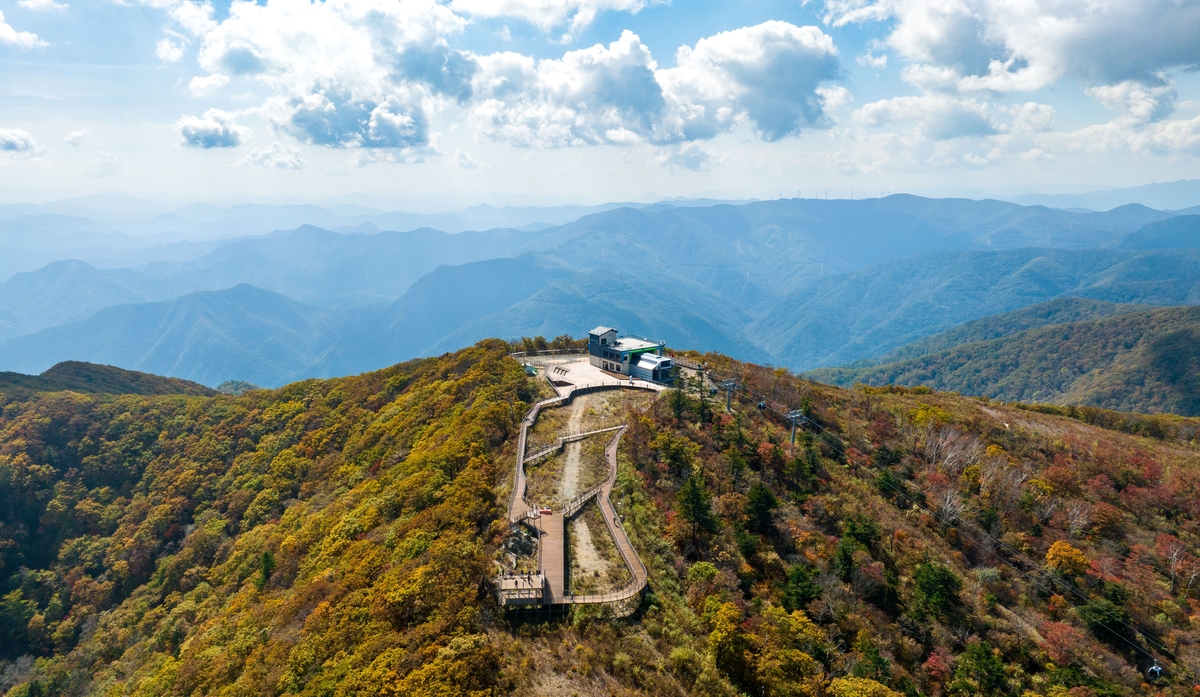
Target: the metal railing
pixel 629 555
pixel 518 492
pixel 547 352
pixel 563 440
pixel 657 342
pixel 633 562
pixel 570 509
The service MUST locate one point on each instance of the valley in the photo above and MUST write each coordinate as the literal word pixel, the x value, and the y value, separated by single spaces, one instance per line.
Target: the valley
pixel 800 283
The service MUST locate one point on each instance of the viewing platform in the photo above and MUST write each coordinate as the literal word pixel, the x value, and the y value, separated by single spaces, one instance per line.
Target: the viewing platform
pixel 570 377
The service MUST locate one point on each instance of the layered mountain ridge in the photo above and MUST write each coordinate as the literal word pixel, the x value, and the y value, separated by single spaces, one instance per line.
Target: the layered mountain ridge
pixel 1133 359
pixel 802 283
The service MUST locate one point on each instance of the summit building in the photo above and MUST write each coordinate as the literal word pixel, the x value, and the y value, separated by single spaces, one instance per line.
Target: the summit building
pixel 635 356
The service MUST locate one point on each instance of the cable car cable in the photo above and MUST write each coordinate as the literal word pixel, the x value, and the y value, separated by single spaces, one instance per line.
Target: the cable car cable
pixel 1157 645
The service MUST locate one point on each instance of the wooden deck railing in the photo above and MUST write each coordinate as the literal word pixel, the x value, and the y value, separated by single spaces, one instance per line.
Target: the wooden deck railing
pixel 563 440
pixel 519 509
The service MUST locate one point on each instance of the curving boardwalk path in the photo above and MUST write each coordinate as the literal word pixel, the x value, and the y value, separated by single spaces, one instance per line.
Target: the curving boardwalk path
pixel 551 526
pixel 636 568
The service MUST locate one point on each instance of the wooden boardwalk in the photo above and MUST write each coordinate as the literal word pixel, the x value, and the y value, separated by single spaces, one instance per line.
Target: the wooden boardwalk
pixel 552 553
pixel 551 527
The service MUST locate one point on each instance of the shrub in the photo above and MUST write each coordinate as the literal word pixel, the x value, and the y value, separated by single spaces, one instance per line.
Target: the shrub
pixel 979 671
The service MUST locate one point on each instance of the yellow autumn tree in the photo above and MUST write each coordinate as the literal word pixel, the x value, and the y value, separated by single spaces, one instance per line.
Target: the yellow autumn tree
pixel 731 647
pixel 860 687
pixel 785 665
pixel 1064 559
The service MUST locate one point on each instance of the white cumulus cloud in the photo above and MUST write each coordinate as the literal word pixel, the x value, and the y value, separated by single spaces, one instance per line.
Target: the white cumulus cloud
pixel 194 16
pixel 168 50
pixel 1032 117
pixel 1006 45
pixel 75 138
pixel 1141 102
pixel 871 60
pixel 20 39
pixel 690 156
pixel 344 73
pixel 1121 51
pixel 201 86
pixel 373 73
pixel 766 76
pixel 15 140
pixel 215 129
pixel 601 94
pixel 938 117
pixel 1126 135
pixel 274 156
pixel 42 5
pixel 547 15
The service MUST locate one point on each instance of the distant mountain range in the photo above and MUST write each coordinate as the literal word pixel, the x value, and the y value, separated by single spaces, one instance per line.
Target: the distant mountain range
pixel 1057 311
pixel 801 283
pixel 1181 232
pixel 1135 359
pixel 1170 196
pixel 872 311
pixel 244 333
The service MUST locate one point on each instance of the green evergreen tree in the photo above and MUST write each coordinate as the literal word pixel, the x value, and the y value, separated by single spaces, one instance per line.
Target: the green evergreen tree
pixel 695 505
pixel 979 672
pixel 871 663
pixel 266 567
pixel 677 399
pixel 761 504
pixel 936 592
pixel 799 589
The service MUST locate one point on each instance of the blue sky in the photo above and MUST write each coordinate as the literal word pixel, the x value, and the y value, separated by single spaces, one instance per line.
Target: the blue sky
pixel 438 104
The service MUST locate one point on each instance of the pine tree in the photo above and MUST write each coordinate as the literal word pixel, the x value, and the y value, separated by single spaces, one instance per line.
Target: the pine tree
pixel 695 505
pixel 761 504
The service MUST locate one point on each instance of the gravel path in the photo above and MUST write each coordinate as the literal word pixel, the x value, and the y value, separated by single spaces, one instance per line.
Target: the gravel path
pixel 570 475
pixel 586 556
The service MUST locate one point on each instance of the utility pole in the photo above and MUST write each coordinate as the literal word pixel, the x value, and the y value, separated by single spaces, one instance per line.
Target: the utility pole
pixel 794 416
pixel 729 386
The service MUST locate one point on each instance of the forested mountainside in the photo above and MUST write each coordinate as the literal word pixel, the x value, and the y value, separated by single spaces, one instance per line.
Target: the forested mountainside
pixel 1181 232
pixel 90 378
pixel 336 537
pixel 1057 311
pixel 1146 361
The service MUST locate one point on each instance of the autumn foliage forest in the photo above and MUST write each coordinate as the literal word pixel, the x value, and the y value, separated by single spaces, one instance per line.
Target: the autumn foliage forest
pixel 337 537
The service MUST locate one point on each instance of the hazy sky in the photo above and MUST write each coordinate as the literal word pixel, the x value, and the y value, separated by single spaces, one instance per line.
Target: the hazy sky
pixel 593 100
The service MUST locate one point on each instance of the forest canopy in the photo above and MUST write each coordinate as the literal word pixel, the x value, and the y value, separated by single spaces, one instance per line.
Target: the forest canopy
pixel 337 537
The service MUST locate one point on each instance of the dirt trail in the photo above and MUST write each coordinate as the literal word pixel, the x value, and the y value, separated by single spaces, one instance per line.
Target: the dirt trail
pixel 570 477
pixel 586 556
pixel 584 549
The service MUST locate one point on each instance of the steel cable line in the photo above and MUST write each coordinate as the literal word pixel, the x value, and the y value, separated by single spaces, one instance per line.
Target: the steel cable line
pixel 764 405
pixel 1155 643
